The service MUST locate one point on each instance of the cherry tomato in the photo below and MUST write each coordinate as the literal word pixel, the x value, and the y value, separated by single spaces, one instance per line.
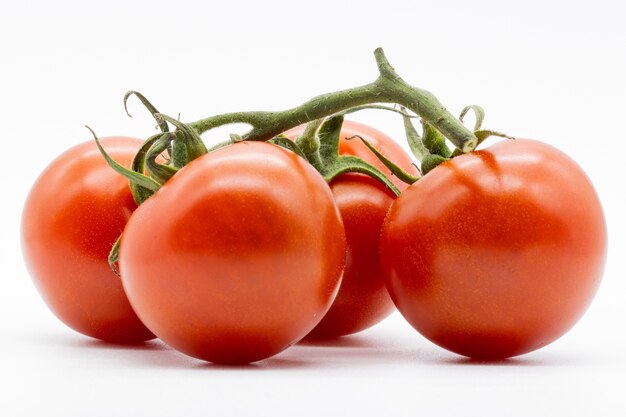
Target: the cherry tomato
pixel 238 256
pixel 496 253
pixel 363 299
pixel 72 217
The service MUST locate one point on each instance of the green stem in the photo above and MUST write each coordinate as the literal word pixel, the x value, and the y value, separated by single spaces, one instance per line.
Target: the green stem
pixel 310 144
pixel 388 88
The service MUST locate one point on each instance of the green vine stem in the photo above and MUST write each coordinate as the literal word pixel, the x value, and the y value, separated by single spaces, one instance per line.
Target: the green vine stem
pixel 387 88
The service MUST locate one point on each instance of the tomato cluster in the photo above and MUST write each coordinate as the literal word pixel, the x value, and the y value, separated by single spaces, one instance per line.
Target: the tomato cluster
pixel 233 254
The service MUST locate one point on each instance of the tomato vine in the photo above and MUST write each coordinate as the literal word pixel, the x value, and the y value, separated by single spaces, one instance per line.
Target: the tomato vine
pixel 319 143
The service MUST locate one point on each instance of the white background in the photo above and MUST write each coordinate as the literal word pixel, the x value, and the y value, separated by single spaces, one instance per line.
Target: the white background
pixel 554 71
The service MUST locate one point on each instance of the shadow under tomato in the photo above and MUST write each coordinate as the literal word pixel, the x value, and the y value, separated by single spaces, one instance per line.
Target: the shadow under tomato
pixel 350 341
pixel 157 354
pixel 518 361
pixel 75 340
pixel 344 352
pixel 498 362
pixel 154 353
pixel 321 354
pixel 151 345
pixel 275 363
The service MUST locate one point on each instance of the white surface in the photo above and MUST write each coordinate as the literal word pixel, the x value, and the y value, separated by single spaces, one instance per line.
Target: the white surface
pixel 548 70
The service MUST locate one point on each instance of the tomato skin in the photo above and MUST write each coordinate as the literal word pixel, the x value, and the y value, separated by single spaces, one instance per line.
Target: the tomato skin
pixel 237 257
pixel 363 299
pixel 363 202
pixel 496 253
pixel 74 213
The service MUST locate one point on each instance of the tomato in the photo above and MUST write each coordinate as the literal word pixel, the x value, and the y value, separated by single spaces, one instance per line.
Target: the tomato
pixel 72 217
pixel 238 256
pixel 363 299
pixel 496 253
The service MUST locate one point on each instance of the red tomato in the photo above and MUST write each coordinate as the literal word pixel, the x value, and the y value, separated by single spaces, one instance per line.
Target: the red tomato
pixel 496 253
pixel 237 257
pixel 363 299
pixel 73 215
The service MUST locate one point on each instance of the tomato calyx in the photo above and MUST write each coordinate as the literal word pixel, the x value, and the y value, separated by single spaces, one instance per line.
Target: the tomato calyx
pixel 179 147
pixel 142 186
pixel 481 134
pixel 187 144
pixel 141 193
pixel 430 148
pixel 162 124
pixel 333 164
pixel 319 145
pixel 136 177
pixel 391 165
pixel 160 172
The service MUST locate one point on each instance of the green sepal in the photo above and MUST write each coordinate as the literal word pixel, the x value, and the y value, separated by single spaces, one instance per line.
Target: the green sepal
pixel 192 141
pixel 114 256
pixel 141 194
pixel 395 169
pixel 415 141
pixel 151 108
pixel 484 134
pixel 160 172
pixel 137 178
pixel 348 163
pixel 333 164
pixel 285 142
pixel 235 137
pixel 220 145
pixel 479 113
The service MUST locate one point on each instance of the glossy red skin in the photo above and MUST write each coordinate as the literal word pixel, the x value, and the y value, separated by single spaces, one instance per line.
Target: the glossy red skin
pixel 363 202
pixel 496 253
pixel 74 213
pixel 363 299
pixel 237 257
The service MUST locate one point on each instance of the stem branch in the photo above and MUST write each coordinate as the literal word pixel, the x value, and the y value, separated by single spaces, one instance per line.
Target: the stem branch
pixel 388 88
